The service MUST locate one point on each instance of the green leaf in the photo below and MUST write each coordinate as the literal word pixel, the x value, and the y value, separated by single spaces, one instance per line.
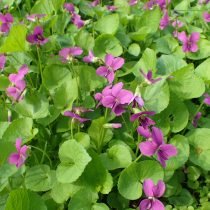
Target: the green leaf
pixel 74 160
pixel 108 24
pixel 83 139
pixel 21 199
pixel 100 206
pixel 156 96
pixel 175 116
pixel 182 145
pixel 134 49
pixel 131 178
pixel 118 156
pixel 20 128
pixel 166 44
pixel 203 70
pixel 4 82
pixel 168 64
pixel 107 44
pixel 43 7
pixel 95 132
pixel 39 178
pixel 34 106
pixel 199 141
pixel 185 84
pixel 16 40
pixel 83 200
pixel 57 4
pixel 84 40
pixel 55 75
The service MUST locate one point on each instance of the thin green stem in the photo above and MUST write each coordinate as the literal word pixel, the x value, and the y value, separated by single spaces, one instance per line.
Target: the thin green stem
pixel 72 130
pixel 45 148
pixel 138 158
pixel 44 152
pixel 40 63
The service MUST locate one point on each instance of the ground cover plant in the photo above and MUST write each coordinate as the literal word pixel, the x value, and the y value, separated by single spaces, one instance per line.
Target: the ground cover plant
pixel 104 105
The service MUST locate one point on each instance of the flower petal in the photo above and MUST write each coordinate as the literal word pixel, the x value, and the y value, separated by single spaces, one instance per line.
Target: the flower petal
pixel 148 148
pixel 117 63
pixel 145 204
pixel 157 136
pixel 159 189
pixel 156 204
pixel 109 59
pixel 13 158
pixel 148 186
pixel 145 132
pixel 102 71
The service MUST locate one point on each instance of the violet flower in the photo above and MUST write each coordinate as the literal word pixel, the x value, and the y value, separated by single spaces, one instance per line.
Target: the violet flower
pixel 206 17
pixel 145 122
pixel 68 53
pixel 163 3
pixel 90 58
pixel 69 7
pixel 133 2
pixel 20 156
pixel 177 24
pixel 206 99
pixel 37 37
pixel 115 98
pixel 77 21
pixel 189 42
pixel 111 65
pixel 18 84
pixel 111 7
pixel 148 77
pixel 95 3
pixel 196 119
pixel 152 192
pixel 35 17
pixel 164 22
pixel 137 101
pixel 157 146
pixel 6 21
pixel 2 61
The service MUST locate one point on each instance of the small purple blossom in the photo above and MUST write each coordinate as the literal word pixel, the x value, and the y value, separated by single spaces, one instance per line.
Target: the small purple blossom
pixel 189 42
pixel 90 58
pixel 112 64
pixel 2 61
pixel 20 156
pixel 77 21
pixel 152 192
pixel 137 101
pixel 148 77
pixel 133 2
pixel 35 17
pixel 164 22
pixel 37 36
pixel 111 7
pixel 69 7
pixel 163 3
pixel 6 22
pixel 18 84
pixel 177 24
pixel 76 112
pixel 206 17
pixel 68 53
pixel 156 145
pixel 196 119
pixel 115 98
pixel 206 99
pixel 95 3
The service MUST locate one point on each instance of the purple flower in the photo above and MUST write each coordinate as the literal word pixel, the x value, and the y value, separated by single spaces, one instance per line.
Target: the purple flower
pixel 90 58
pixel 189 42
pixel 34 17
pixel 115 98
pixel 69 7
pixel 206 99
pixel 112 125
pixel 152 192
pixel 196 119
pixel 37 36
pixel 6 21
pixel 133 2
pixel 111 7
pixel 18 84
pixel 158 146
pixel 203 1
pixel 150 4
pixel 77 21
pixel 20 156
pixel 68 53
pixel 164 22
pixel 111 65
pixel 163 3
pixel 148 77
pixel 95 3
pixel 75 114
pixel 206 17
pixel 2 61
pixel 177 24
pixel 137 101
